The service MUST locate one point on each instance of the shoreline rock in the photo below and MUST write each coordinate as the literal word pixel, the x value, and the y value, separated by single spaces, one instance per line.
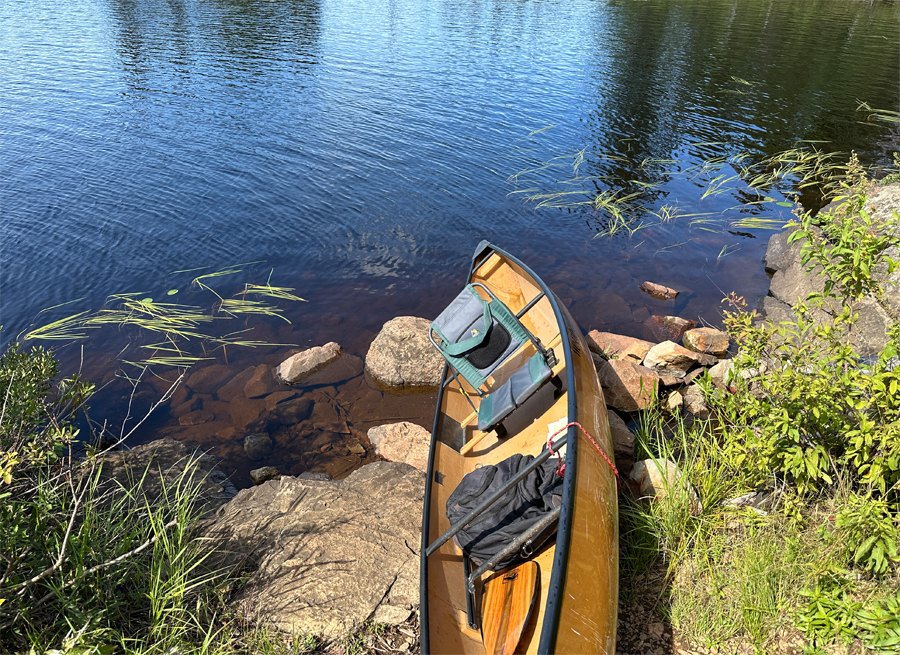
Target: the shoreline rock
pixel 401 359
pixel 330 555
pixel 304 364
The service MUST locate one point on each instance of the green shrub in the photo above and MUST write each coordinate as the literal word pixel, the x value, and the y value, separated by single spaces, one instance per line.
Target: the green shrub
pixel 866 532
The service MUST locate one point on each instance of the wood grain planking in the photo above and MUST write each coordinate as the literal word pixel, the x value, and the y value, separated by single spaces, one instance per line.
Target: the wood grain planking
pixel 506 604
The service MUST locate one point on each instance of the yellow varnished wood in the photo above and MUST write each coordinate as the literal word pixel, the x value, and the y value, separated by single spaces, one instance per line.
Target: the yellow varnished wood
pixel 506 604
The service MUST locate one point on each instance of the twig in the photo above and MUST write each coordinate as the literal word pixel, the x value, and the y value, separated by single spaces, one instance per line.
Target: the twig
pixel 6 397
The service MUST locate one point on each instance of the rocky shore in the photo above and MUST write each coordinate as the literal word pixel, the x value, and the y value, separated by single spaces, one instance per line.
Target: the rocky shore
pixel 328 557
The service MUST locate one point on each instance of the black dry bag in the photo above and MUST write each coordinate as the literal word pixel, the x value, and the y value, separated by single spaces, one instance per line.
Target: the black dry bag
pixel 512 515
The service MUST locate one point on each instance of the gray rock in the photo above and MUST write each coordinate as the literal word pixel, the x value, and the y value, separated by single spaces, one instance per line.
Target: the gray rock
pixel 330 555
pixel 263 474
pixel 257 446
pixel 694 402
pixel 622 437
pixel 164 461
pixel 660 477
pixel 763 498
pixel 869 333
pixel 779 253
pixel 311 475
pixel 776 311
pixel 402 442
pixel 401 359
pixel 721 373
pixel 304 364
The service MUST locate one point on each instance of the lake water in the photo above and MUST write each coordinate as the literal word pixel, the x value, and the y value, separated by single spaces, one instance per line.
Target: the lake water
pixel 358 151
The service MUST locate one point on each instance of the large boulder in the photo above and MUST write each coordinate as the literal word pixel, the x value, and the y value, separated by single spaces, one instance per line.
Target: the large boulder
pixel 402 442
pixel 401 359
pixel 791 282
pixel 329 555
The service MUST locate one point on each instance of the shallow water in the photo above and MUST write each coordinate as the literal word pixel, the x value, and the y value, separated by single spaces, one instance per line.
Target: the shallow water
pixel 362 149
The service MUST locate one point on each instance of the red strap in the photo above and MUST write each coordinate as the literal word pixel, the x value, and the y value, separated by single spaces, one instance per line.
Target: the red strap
pixel 562 466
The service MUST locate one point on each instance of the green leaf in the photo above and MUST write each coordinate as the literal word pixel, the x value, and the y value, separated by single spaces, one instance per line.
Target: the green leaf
pixel 782 203
pixel 171 292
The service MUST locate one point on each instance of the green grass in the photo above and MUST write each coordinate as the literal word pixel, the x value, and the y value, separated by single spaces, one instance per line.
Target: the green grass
pixel 181 334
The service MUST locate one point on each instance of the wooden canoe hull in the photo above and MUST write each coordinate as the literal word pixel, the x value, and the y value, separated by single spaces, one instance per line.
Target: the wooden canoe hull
pixel 577 596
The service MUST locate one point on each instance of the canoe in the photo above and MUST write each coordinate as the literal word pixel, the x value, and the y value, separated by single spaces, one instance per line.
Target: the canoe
pixel 576 599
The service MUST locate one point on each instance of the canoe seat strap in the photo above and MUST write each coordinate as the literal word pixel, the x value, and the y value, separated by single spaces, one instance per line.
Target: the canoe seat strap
pixel 500 403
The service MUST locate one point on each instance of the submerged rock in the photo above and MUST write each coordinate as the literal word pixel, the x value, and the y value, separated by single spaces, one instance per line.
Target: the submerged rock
pixel 401 359
pixel 659 291
pixel 346 367
pixel 261 383
pixel 208 379
pixel 257 446
pixel 331 555
pixel 402 442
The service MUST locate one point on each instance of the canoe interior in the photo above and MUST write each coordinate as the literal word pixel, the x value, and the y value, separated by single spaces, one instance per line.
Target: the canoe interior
pixel 460 448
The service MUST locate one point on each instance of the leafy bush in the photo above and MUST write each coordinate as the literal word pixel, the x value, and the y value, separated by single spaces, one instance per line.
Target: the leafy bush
pixel 820 412
pixel 865 530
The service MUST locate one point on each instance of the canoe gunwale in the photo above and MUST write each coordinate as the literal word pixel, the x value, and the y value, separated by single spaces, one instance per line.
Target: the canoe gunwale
pixel 552 603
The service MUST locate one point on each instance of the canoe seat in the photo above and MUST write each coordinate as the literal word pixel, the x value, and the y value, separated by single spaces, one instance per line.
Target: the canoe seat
pixel 477 336
pixel 500 403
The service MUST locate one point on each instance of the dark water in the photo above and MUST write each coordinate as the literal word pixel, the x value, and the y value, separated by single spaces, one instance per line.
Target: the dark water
pixel 361 150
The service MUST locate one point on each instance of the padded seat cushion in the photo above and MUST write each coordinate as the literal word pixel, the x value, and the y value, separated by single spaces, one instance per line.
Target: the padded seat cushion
pixel 500 403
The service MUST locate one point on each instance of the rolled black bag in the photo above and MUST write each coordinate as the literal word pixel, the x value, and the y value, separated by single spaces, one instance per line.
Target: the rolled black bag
pixel 512 515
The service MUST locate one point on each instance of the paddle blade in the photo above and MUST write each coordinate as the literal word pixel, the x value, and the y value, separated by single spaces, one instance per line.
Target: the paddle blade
pixel 506 604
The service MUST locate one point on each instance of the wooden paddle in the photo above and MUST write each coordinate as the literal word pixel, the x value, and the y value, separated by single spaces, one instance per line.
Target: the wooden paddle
pixel 506 604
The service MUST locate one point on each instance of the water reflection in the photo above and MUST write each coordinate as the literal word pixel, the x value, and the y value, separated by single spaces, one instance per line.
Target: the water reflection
pixel 361 148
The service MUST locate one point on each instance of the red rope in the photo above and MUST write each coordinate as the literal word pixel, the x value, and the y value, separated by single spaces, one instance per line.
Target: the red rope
pixel 562 466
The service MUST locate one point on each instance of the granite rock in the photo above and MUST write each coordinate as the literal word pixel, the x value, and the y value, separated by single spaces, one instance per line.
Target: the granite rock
pixel 401 359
